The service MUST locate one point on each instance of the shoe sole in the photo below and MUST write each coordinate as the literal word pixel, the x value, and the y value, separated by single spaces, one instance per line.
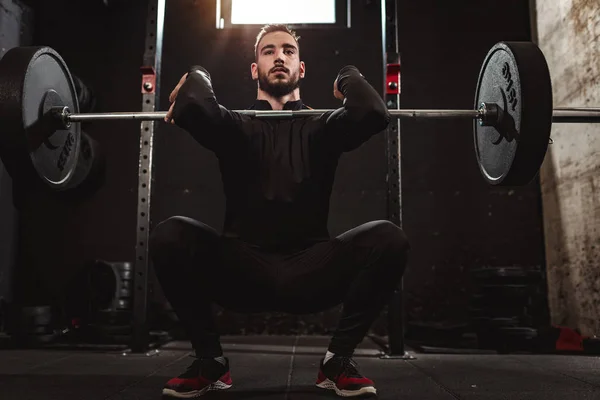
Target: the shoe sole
pixel 196 393
pixel 329 385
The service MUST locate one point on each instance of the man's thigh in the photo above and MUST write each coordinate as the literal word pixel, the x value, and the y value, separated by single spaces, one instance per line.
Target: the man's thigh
pixel 245 280
pixel 320 276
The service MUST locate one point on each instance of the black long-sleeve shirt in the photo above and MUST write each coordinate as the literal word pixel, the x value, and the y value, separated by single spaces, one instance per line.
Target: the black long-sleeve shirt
pixel 278 174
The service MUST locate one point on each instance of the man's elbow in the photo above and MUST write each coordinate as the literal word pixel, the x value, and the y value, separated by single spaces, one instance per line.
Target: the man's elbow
pixel 377 118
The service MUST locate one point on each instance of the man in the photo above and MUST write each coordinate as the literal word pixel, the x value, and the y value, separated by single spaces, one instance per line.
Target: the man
pixel 275 252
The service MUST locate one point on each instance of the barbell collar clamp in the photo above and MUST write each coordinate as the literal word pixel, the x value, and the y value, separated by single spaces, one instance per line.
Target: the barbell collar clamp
pixel 489 114
pixel 61 115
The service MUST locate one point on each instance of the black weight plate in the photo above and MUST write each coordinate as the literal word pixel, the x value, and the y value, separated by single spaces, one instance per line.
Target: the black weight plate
pixel 33 79
pixel 85 95
pixel 514 76
pixel 90 166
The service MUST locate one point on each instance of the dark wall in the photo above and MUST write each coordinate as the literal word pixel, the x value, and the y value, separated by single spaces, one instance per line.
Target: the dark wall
pixel 454 220
pixel 16 28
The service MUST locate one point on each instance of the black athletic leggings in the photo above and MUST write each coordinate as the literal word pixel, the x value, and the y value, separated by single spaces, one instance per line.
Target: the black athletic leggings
pixel 196 267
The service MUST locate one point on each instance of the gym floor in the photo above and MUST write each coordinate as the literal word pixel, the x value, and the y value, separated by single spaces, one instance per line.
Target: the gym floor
pixel 273 367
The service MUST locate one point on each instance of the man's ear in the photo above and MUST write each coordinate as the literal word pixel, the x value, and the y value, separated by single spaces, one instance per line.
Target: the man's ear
pixel 254 71
pixel 302 69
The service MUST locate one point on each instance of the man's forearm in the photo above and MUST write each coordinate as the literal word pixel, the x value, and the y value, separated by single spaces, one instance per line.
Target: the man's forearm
pixel 196 105
pixel 197 111
pixel 361 100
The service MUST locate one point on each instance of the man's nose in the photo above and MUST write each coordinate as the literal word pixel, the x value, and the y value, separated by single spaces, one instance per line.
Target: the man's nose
pixel 279 56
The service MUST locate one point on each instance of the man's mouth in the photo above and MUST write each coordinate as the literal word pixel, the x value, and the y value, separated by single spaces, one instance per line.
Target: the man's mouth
pixel 279 69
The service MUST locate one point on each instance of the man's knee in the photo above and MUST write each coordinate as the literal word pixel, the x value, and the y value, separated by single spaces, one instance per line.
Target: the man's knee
pixel 393 246
pixel 397 238
pixel 387 236
pixel 167 232
pixel 178 232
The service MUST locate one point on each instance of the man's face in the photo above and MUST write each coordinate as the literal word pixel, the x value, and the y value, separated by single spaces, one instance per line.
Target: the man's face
pixel 278 68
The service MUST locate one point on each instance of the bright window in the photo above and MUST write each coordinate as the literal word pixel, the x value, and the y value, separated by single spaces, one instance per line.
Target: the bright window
pixel 282 12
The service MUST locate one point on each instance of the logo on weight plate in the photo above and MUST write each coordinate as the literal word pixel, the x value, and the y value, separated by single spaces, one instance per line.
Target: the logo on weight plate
pixel 511 92
pixel 65 152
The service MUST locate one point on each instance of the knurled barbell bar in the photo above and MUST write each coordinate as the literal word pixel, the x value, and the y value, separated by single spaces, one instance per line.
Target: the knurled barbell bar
pixel 40 136
pixel 487 114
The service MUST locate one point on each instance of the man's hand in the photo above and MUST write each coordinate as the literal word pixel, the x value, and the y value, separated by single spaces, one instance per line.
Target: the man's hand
pixel 172 97
pixel 336 93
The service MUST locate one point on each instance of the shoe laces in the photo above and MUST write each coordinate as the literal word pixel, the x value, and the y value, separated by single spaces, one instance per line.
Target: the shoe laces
pixel 349 368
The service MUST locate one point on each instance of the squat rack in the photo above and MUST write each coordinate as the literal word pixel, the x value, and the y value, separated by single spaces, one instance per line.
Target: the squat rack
pixel 391 93
pixel 151 68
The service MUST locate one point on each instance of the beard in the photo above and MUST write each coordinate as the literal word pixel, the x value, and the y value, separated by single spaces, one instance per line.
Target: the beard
pixel 278 87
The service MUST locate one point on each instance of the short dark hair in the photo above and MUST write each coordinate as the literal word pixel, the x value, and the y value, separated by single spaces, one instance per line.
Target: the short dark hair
pixel 273 28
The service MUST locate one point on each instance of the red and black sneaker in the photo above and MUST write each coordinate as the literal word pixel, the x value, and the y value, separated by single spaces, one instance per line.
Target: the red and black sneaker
pixel 341 375
pixel 200 377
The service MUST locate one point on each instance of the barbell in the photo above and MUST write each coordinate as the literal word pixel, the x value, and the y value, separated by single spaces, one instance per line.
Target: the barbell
pixel 40 134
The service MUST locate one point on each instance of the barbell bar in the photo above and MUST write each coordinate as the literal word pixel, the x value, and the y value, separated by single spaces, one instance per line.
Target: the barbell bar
pixel 270 114
pixel 576 115
pixel 565 115
pixel 512 117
